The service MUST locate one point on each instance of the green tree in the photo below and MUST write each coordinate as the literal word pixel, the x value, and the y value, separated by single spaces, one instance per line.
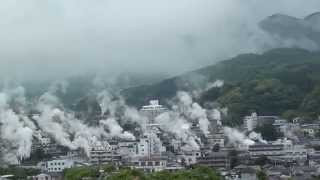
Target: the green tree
pixel 291 114
pixel 311 102
pixel 262 175
pixel 196 173
pixel 128 174
pixel 19 173
pixel 77 173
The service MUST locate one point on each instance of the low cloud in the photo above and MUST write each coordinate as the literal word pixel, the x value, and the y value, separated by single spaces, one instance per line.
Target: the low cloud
pixel 43 39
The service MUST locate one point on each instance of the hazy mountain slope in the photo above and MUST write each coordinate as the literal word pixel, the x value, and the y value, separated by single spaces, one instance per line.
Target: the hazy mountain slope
pixel 292 31
pixel 271 83
pixel 78 87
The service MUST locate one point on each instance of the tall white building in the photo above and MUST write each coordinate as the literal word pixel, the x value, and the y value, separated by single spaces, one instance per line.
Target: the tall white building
pixel 152 110
pixel 250 122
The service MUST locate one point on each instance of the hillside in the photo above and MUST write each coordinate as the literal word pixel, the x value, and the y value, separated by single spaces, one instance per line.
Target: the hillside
pixel 281 81
pixel 292 31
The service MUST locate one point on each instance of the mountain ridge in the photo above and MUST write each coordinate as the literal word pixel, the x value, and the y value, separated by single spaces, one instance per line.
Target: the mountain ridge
pixel 273 76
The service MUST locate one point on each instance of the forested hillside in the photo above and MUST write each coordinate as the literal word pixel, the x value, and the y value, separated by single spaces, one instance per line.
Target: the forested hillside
pixel 279 82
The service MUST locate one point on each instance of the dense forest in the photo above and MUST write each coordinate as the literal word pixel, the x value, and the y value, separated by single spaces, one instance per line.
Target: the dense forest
pixel 283 82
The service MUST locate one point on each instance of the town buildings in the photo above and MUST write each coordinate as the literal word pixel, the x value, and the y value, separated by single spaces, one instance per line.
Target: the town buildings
pixel 155 151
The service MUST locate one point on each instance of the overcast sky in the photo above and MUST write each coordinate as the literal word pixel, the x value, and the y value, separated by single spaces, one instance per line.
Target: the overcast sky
pixel 42 39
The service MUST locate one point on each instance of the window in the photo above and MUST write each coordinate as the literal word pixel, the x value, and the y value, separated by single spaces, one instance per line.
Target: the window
pixel 157 163
pixel 150 163
pixel 143 163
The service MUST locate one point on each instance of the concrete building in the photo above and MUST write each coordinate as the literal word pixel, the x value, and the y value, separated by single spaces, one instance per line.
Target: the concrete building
pixel 262 120
pixel 173 166
pixel 250 122
pixel 216 139
pixel 57 166
pixel 102 153
pixel 271 150
pixel 150 145
pixel 282 151
pixel 77 155
pixel 215 160
pixel 314 158
pixel 42 142
pixel 280 125
pixel 290 130
pixel 253 121
pixel 244 172
pixel 128 148
pixel 154 164
pixel 294 155
pixel 152 110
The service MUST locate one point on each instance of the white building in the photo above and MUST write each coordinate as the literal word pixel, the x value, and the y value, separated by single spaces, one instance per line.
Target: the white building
pixel 154 164
pixel 250 122
pixel 56 166
pixel 101 153
pixel 152 110
pixel 253 121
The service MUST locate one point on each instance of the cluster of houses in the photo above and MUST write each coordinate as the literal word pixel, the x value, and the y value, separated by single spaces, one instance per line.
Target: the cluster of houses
pixel 288 157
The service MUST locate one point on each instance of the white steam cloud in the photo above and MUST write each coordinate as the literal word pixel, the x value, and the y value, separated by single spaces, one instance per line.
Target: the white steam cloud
pixel 15 129
pixel 237 137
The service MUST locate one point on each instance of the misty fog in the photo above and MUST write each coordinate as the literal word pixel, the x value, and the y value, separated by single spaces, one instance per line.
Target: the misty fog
pixel 50 39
